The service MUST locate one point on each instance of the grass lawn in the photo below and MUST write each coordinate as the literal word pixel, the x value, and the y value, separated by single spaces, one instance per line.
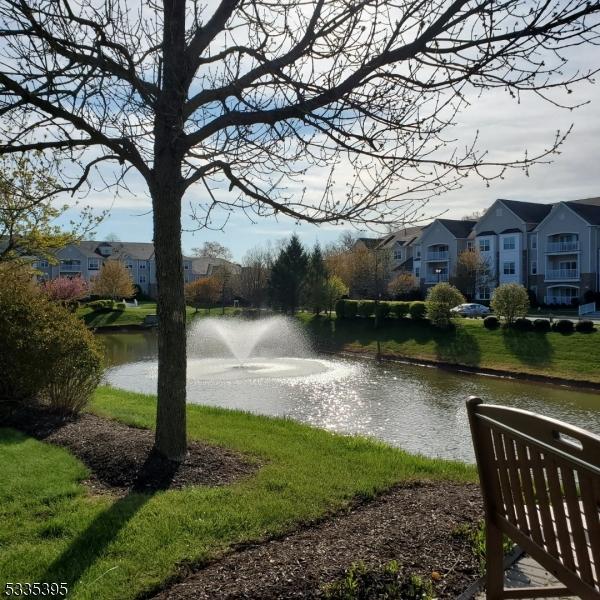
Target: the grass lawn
pixel 574 356
pixel 134 316
pixel 53 530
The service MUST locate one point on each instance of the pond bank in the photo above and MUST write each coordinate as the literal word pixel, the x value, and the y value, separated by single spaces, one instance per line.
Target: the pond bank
pixel 570 360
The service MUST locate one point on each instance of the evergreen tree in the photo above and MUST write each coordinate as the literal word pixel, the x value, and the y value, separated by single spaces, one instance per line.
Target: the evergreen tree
pixel 288 276
pixel 316 281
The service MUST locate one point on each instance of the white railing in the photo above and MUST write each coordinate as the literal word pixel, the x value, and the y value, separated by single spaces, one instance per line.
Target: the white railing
pixel 568 300
pixel 562 247
pixel 437 255
pixel 436 278
pixel 562 274
pixel 585 309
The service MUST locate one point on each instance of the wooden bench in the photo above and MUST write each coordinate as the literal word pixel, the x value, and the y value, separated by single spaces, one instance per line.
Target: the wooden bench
pixel 540 480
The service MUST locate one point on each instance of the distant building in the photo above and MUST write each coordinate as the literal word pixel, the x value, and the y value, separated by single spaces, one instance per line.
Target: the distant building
pixel 551 249
pixel 86 258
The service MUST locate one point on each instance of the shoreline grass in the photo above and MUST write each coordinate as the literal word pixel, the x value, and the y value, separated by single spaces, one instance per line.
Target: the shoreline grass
pixel 104 547
pixel 574 356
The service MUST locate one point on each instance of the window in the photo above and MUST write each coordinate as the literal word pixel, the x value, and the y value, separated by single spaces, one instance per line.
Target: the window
pixel 534 267
pixel 93 264
pixel 533 242
pixel 508 243
pixel 484 245
pixel 417 272
pixel 470 245
pixel 141 265
pixel 70 265
pixel 397 253
pixel 129 264
pixel 418 250
pixel 484 293
pixel 508 268
pixel 186 266
pixel 40 264
pixel 142 279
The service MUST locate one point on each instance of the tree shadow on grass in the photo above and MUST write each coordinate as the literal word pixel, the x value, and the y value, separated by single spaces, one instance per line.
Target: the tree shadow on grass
pixel 530 347
pixel 456 345
pixel 85 550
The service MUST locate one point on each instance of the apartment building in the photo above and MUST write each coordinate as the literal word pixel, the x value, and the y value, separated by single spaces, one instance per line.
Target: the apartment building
pixel 437 248
pixel 85 259
pixel 552 249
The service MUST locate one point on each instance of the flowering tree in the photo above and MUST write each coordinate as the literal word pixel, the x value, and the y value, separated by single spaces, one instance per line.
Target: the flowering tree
pixel 114 281
pixel 66 290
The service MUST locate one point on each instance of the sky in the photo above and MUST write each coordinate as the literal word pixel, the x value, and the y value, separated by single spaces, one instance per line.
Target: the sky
pixel 505 127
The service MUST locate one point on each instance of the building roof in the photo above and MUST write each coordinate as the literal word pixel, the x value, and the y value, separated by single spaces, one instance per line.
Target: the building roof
pixel 588 209
pixel 204 265
pixel 458 228
pixel 512 230
pixel 530 212
pixel 484 233
pixel 403 237
pixel 121 250
pixel 370 243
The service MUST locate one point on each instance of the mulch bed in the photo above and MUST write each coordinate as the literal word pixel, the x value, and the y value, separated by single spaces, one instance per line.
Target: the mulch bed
pixel 414 524
pixel 120 457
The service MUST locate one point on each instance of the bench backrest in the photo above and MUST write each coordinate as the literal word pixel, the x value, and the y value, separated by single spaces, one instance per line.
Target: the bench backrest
pixel 540 480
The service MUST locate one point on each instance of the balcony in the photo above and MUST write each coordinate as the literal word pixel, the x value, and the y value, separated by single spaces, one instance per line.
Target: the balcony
pixel 434 278
pixel 438 256
pixel 558 247
pixel 561 274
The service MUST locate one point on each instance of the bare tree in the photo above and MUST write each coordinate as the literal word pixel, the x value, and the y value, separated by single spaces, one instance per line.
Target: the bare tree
pixel 250 96
pixel 213 250
pixel 254 275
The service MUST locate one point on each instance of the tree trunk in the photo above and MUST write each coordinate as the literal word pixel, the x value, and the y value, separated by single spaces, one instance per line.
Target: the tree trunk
pixel 167 193
pixel 171 440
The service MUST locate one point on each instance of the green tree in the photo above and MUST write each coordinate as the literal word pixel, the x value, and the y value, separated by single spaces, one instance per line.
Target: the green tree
pixel 441 298
pixel 335 288
pixel 510 301
pixel 114 281
pixel 288 276
pixel 27 214
pixel 316 281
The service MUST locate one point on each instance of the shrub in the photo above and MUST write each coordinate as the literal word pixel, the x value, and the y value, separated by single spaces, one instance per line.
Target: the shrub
pixel 563 326
pixel 491 322
pixel 542 325
pixel 382 310
pixel 339 309
pixel 523 324
pixel 417 310
pixel 48 354
pixel 101 305
pixel 400 309
pixel 441 299
pixel 510 301
pixel 585 326
pixel 384 582
pixel 366 308
pixel 120 306
pixel 351 309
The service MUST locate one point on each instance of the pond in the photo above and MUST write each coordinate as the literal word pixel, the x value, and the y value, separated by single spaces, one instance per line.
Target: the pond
pixel 420 409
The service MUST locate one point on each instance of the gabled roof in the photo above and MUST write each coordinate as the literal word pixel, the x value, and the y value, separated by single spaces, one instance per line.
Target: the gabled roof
pixel 204 265
pixel 530 212
pixel 588 209
pixel 370 243
pixel 403 237
pixel 120 250
pixel 484 233
pixel 458 228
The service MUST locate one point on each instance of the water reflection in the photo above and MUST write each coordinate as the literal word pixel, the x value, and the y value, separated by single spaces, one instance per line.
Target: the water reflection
pixel 418 408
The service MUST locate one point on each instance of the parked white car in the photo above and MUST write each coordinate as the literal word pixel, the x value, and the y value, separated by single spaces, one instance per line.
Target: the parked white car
pixel 471 310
